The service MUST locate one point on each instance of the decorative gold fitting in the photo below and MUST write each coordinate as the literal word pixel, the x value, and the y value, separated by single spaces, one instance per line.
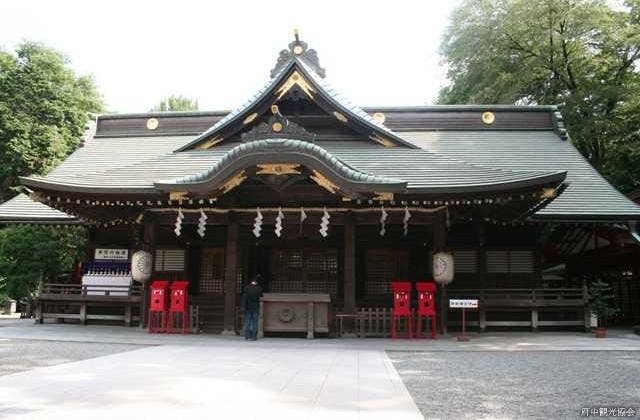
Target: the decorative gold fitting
pixel 233 182
pixel 324 182
pixel 209 143
pixel 278 169
pixel 488 117
pixel 178 195
pixel 383 196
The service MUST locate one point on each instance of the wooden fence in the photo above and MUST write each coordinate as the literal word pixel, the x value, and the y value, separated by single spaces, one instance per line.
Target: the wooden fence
pixel 532 308
pixel 84 302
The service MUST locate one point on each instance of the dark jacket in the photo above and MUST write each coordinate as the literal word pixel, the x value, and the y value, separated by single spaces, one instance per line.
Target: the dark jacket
pixel 250 300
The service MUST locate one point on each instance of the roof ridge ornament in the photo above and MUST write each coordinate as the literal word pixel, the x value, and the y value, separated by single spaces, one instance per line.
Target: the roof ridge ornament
pixel 277 126
pixel 298 49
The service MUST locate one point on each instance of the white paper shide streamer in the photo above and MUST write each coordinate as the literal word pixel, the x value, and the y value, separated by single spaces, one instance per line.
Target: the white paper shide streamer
pixel 324 223
pixel 178 229
pixel 405 220
pixel 257 223
pixel 383 222
pixel 202 223
pixel 278 227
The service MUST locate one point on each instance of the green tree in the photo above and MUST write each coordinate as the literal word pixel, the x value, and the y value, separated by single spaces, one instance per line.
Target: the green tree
pixel 580 54
pixel 29 254
pixel 44 107
pixel 176 103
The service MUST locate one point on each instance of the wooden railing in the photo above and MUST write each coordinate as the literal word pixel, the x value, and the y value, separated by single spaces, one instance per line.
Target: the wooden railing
pixel 523 297
pixel 496 307
pixel 72 301
pixel 60 290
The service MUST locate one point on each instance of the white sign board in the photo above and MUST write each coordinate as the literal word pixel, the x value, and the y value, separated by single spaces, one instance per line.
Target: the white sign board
pixel 463 303
pixel 112 254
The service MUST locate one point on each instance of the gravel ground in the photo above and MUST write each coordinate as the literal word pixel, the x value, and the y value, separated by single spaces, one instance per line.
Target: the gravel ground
pixel 517 385
pixel 19 355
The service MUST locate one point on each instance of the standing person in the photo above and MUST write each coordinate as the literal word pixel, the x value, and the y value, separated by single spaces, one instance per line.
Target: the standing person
pixel 250 304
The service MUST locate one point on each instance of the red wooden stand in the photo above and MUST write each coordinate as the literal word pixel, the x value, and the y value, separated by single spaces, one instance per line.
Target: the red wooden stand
pixel 401 307
pixel 178 321
pixel 158 306
pixel 426 307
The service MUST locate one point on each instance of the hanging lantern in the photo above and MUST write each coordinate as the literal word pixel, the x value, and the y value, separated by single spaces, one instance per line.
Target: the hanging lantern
pixel 443 268
pixel 141 263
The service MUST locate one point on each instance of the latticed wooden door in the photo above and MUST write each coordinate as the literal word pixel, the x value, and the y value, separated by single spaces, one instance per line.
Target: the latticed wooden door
pixel 212 270
pixel 304 271
pixel 383 266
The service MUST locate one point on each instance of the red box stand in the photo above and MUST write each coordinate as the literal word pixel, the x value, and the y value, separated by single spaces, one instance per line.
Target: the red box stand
pixel 179 307
pixel 426 307
pixel 158 306
pixel 401 307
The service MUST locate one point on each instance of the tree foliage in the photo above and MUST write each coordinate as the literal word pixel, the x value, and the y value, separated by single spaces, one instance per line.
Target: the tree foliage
pixel 29 254
pixel 176 103
pixel 580 54
pixel 44 107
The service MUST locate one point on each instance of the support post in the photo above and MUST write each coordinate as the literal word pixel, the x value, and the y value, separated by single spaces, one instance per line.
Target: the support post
pixel 149 245
pixel 127 315
pixel 439 243
pixel 310 320
pixel 230 276
pixel 587 307
pixel 83 313
pixel 349 280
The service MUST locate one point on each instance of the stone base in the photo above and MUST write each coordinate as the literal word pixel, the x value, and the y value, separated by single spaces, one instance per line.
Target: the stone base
pixel 228 332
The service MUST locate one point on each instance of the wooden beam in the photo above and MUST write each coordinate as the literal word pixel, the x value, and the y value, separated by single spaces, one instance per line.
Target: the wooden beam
pixel 349 269
pixel 230 276
pixel 149 245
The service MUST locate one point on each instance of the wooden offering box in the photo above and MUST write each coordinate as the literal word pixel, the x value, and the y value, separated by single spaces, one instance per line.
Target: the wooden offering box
pixel 294 312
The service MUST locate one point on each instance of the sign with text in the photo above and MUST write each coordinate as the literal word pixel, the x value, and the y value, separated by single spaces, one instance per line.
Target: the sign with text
pixel 112 254
pixel 463 303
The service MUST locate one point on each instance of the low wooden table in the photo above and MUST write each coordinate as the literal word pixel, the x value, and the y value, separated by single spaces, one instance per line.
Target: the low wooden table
pixel 294 312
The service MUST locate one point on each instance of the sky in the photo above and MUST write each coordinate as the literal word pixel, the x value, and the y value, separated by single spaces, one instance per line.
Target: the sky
pixel 376 53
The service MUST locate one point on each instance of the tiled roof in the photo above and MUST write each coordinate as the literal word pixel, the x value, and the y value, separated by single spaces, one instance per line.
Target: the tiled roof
pixel 21 209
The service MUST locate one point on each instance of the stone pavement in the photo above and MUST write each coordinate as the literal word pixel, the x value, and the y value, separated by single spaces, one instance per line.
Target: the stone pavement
pixel 208 376
pixel 251 380
pixel 489 341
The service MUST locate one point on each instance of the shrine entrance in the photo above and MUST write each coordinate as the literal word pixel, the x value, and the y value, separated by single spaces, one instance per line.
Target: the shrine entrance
pixel 309 269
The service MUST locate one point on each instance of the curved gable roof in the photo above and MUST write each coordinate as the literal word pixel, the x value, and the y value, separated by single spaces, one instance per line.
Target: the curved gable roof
pixel 325 96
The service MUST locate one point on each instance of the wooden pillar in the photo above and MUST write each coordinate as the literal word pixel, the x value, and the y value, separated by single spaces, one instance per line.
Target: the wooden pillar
pixel 149 245
pixel 349 270
pixel 439 243
pixel 230 276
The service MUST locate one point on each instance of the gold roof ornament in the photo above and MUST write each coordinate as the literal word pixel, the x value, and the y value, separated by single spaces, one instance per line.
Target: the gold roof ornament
pixel 178 195
pixel 278 169
pixel 233 182
pixel 324 182
pixel 548 193
pixel 488 117
pixel 379 117
pixel 383 196
pixel 381 140
pixel 152 123
pixel 340 117
pixel 296 79
pixel 250 118
pixel 209 143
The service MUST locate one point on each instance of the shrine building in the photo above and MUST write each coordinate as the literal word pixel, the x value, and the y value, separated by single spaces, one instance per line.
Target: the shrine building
pixel 322 197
